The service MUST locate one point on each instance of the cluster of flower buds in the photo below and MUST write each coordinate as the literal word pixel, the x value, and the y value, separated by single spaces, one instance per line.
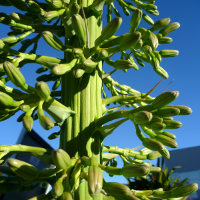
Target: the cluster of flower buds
pixel 152 119
pixel 71 171
pixel 158 116
pixel 13 100
pixel 140 41
pixel 51 20
pixel 20 171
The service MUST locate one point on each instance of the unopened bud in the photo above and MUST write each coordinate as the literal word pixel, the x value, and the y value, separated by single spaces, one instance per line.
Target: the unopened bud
pixel 61 159
pixel 164 99
pixel 135 170
pixel 169 28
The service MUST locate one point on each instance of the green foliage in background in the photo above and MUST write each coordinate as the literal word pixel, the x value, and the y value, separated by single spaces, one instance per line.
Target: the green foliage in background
pixel 164 179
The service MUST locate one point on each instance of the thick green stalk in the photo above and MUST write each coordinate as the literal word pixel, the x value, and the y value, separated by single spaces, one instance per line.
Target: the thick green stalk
pixel 83 95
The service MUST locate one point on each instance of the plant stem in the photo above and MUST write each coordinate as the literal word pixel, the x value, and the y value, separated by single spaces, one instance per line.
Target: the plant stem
pixel 83 96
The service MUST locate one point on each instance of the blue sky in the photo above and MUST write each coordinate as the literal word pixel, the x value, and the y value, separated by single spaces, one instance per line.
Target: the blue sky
pixel 183 69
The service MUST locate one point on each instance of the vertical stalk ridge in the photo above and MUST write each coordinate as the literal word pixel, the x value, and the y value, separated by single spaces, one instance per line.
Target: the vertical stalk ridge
pixel 83 96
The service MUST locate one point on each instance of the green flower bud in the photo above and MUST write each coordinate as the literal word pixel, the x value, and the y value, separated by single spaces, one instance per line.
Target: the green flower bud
pixel 142 117
pixel 156 125
pixel 184 110
pixel 78 73
pixel 43 90
pixel 169 28
pixel 155 169
pixel 165 40
pixel 158 56
pixel 109 30
pixel 10 39
pixel 166 141
pixel 124 64
pixel 172 124
pixel 52 40
pixel 168 134
pixel 135 170
pixel 27 122
pixel 153 12
pixel 135 20
pixel 126 11
pixel 143 32
pixel 156 119
pixel 7 101
pixel 13 39
pixel 57 189
pixel 169 53
pixel 177 192
pixel 164 99
pixel 167 111
pixel 139 44
pixel 140 62
pixel 153 40
pixel 89 65
pixel 57 3
pixel 60 69
pixel 148 7
pixel 53 14
pixel 78 24
pixel 119 191
pixel 155 145
pixel 23 169
pixel 129 40
pixel 160 71
pixel 46 122
pixel 112 41
pixel 15 75
pixel 153 155
pixel 61 159
pixel 95 180
pixel 148 19
pixel 66 196
pixel 160 24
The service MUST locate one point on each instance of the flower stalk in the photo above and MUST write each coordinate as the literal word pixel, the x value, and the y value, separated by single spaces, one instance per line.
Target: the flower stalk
pixel 86 103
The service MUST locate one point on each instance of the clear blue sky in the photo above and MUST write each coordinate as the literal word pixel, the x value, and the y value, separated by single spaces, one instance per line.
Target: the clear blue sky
pixel 184 69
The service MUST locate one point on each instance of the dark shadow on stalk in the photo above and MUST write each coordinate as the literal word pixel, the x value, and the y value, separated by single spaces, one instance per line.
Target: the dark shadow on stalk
pixel 83 138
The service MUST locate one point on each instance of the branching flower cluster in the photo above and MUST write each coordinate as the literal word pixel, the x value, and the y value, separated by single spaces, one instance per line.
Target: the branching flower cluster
pixel 80 108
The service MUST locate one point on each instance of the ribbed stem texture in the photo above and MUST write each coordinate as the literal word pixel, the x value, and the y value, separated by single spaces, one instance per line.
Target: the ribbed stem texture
pixel 83 95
